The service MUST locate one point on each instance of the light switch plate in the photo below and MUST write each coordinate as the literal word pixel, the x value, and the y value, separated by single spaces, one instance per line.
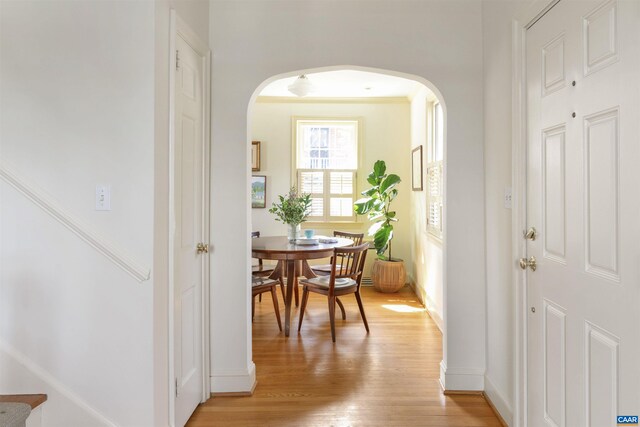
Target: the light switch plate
pixel 103 197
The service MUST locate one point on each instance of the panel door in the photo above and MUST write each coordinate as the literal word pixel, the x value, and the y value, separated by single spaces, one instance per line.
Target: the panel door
pixel 583 179
pixel 188 190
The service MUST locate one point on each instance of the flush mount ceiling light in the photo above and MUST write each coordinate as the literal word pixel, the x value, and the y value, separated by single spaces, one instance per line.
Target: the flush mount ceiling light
pixel 301 86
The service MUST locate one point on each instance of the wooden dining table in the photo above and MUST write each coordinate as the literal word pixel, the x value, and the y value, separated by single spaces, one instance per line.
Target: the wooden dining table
pixel 294 258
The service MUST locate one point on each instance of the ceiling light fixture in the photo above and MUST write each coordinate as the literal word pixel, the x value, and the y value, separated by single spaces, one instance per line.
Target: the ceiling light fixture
pixel 301 86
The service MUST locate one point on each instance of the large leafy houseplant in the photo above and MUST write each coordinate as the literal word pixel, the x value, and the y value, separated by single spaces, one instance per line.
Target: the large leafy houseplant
pixel 292 209
pixel 377 205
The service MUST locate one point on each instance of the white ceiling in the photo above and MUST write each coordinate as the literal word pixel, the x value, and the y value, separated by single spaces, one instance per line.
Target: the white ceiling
pixel 347 84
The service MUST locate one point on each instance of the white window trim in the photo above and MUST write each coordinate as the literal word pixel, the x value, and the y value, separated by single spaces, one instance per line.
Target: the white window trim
pixel 328 220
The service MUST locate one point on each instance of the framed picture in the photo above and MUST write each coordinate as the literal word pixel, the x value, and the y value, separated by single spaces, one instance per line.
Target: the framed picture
pixel 258 191
pixel 255 156
pixel 416 169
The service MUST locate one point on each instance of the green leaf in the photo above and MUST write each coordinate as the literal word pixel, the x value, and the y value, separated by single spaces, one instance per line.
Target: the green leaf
pixel 375 227
pixel 389 182
pixel 370 192
pixel 378 204
pixel 375 215
pixel 379 168
pixel 293 208
pixel 373 179
pixel 363 206
pixel 382 237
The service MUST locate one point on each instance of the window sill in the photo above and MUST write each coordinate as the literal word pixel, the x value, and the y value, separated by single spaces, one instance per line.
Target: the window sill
pixel 330 224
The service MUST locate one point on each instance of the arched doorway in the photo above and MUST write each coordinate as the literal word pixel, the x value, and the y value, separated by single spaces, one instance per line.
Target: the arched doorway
pixel 388 133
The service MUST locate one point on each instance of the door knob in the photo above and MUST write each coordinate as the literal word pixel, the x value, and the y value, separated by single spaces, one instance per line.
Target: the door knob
pixel 531 263
pixel 530 234
pixel 202 248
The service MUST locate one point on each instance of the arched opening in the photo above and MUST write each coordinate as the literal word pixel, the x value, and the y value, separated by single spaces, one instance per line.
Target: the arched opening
pixel 403 123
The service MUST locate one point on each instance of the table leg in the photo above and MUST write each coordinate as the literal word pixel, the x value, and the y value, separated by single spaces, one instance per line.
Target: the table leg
pixel 291 275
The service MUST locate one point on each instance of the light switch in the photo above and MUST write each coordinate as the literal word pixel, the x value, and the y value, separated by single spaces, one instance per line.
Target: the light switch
pixel 103 197
pixel 507 197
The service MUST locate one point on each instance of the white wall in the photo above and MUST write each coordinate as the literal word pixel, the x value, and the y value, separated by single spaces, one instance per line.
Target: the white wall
pixel 76 111
pixel 497 133
pixel 384 134
pixel 426 251
pixel 84 101
pixel 436 40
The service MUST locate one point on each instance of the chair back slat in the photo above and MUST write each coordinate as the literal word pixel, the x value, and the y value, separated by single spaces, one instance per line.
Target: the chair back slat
pixel 355 237
pixel 255 235
pixel 348 263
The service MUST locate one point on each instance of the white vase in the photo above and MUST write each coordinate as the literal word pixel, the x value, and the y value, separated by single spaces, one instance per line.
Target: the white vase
pixel 293 232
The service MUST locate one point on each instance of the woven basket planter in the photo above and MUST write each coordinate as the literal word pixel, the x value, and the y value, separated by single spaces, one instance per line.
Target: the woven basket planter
pixel 388 276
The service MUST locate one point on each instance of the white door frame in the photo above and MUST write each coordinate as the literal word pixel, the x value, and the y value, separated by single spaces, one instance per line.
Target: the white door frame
pixel 520 25
pixel 178 27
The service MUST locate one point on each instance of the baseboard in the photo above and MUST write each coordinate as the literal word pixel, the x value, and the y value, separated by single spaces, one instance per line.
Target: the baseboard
pixel 64 407
pixel 497 401
pixel 437 319
pixel 481 394
pixel 494 399
pixel 426 303
pixel 414 287
pixel 468 379
pixel 235 382
pixel 235 393
pixel 495 411
pixel 463 393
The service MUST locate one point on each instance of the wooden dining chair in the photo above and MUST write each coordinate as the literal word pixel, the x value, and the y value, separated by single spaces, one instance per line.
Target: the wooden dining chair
pixel 260 285
pixel 345 277
pixel 261 270
pixel 325 269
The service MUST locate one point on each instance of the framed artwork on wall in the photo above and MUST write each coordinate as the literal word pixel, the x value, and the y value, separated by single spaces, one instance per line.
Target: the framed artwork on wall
pixel 416 168
pixel 255 156
pixel 258 191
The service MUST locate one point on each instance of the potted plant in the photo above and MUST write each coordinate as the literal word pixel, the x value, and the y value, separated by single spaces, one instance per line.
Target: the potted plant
pixel 292 210
pixel 388 274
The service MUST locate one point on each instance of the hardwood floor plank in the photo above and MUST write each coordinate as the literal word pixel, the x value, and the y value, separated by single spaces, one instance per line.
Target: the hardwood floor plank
pixel 386 378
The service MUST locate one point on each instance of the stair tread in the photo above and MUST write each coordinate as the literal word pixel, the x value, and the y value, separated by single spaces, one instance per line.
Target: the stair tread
pixel 33 400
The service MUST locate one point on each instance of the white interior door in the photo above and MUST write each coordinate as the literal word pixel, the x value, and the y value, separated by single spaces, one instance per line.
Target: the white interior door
pixel 188 212
pixel 583 187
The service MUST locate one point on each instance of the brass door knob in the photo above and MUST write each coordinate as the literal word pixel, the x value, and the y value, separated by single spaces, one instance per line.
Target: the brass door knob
pixel 531 263
pixel 202 248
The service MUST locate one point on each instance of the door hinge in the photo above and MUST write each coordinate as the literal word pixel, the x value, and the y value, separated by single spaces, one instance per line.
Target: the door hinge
pixel 177 59
pixel 176 387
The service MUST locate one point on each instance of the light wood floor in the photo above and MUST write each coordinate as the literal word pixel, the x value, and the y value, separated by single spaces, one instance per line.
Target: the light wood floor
pixel 386 378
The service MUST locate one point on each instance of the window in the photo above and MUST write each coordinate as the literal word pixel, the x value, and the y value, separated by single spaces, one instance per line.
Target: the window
pixel 435 172
pixel 326 160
